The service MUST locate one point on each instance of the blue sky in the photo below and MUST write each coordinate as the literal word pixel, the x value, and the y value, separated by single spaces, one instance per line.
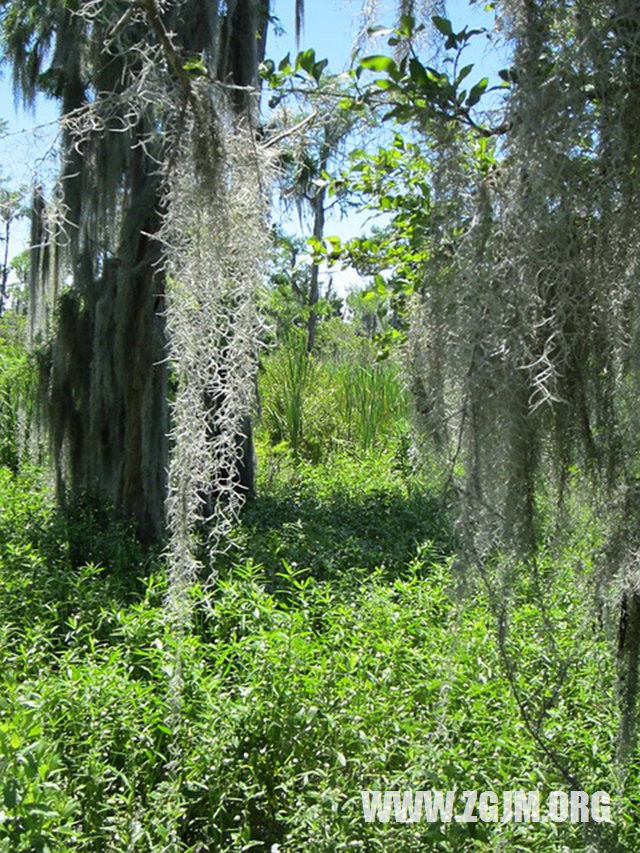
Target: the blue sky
pixel 29 148
pixel 330 26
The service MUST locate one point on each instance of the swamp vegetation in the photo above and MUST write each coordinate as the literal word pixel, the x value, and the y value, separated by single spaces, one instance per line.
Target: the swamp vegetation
pixel 432 582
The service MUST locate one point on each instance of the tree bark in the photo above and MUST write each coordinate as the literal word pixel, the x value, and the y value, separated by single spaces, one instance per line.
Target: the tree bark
pixel 628 659
pixel 318 207
pixel 314 289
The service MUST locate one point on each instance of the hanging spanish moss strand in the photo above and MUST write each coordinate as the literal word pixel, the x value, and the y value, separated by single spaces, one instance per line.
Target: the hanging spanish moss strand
pixel 216 246
pixel 536 316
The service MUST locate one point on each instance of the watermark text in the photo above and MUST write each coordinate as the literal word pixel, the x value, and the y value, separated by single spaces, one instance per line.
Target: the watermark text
pixel 517 806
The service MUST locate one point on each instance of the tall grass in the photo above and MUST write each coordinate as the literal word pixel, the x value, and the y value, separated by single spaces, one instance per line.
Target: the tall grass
pixel 371 400
pixel 288 380
pixel 17 392
pixel 319 403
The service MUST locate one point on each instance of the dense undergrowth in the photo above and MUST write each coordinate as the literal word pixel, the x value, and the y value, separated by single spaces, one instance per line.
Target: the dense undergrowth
pixel 342 648
pixel 342 651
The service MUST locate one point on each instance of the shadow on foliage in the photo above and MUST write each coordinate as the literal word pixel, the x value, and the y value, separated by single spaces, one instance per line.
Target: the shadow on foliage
pixel 71 566
pixel 343 531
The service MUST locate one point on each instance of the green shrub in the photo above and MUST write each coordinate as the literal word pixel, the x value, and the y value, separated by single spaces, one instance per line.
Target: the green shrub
pixel 348 514
pixel 303 684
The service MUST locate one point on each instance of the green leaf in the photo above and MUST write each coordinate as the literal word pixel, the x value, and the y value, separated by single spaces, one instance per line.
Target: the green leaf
pixel 442 24
pixel 464 72
pixel 477 91
pixel 407 25
pixel 401 114
pixel 10 793
pixel 306 60
pixel 381 284
pixel 318 68
pixel 195 65
pixel 418 73
pixel 379 63
pixel 508 75
pixel 267 69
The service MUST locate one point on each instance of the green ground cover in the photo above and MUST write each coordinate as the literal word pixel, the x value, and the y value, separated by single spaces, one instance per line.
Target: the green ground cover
pixel 341 650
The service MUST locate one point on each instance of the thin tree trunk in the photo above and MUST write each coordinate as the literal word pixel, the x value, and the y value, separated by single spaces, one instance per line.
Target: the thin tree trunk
pixel 318 206
pixel 5 267
pixel 628 659
pixel 314 290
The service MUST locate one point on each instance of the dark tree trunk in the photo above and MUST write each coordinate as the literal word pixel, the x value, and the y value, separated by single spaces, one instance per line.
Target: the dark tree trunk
pixel 140 347
pixel 628 659
pixel 106 381
pixel 104 374
pixel 314 289
pixel 244 39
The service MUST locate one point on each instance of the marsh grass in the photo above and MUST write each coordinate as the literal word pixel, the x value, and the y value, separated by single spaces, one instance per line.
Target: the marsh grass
pixel 319 404
pixel 17 392
pixel 287 383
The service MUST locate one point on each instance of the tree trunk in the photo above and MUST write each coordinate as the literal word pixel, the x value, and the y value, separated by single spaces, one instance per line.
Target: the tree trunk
pixel 104 374
pixel 628 659
pixel 139 347
pixel 314 290
pixel 106 380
